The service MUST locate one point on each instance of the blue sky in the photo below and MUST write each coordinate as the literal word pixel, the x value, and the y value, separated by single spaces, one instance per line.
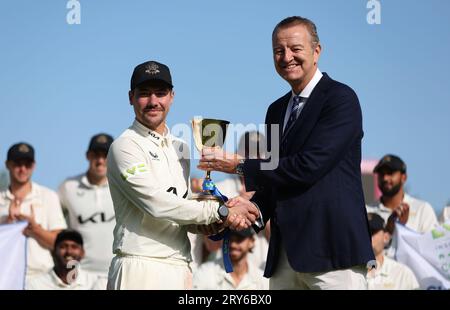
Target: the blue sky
pixel 63 83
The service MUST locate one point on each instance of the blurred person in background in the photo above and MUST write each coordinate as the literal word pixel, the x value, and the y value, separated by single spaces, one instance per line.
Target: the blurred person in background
pixel 25 200
pixel 395 204
pixel 89 207
pixel 445 214
pixel 245 276
pixel 67 273
pixel 388 274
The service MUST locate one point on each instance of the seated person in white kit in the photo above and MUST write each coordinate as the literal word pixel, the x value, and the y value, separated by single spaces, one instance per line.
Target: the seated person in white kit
pixel 245 276
pixel 67 273
pixel 388 274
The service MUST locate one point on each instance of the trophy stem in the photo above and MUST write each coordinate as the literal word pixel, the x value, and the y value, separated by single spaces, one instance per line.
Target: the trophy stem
pixel 208 175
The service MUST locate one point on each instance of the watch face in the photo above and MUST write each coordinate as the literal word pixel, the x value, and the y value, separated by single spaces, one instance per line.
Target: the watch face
pixel 240 169
pixel 223 211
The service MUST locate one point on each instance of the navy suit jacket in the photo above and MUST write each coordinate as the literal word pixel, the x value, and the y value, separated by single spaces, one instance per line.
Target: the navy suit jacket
pixel 314 198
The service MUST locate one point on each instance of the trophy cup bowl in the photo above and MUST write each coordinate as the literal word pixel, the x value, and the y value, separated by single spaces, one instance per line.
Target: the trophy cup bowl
pixel 210 133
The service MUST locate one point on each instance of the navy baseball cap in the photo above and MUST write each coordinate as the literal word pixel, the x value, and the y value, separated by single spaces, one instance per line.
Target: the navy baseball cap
pixel 69 234
pixel 100 142
pixel 150 71
pixel 391 162
pixel 20 151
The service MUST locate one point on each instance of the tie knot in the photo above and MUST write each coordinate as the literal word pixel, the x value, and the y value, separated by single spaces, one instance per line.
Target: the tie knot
pixel 297 100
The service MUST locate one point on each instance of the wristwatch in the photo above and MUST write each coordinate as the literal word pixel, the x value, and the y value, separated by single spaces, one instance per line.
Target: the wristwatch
pixel 223 212
pixel 240 167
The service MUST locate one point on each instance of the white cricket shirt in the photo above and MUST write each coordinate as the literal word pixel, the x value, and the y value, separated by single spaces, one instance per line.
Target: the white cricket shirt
pixel 91 213
pixel 48 214
pixel 148 179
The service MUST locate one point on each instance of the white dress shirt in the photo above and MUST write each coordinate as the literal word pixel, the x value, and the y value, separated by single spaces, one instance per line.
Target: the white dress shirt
pixel 305 93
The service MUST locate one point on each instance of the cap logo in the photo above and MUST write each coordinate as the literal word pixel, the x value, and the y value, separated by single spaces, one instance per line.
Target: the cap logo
pixel 23 148
pixel 102 139
pixel 152 69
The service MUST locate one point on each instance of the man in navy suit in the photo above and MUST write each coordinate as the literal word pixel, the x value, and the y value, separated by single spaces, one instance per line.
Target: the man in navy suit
pixel 319 231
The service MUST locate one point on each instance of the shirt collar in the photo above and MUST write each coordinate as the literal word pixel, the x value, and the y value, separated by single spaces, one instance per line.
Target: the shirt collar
pixel 85 182
pixel 78 281
pixel 246 280
pixel 384 270
pixel 406 198
pixel 154 136
pixel 34 192
pixel 306 92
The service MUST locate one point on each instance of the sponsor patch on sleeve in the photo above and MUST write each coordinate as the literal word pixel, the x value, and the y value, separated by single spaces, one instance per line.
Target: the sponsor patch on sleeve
pixel 134 170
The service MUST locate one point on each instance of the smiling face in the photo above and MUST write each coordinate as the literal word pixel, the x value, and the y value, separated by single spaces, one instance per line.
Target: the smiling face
pixel 390 182
pixel 20 171
pixel 295 55
pixel 151 103
pixel 66 251
pixel 240 247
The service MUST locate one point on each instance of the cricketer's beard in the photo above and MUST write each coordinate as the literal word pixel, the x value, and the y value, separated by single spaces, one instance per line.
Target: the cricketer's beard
pixel 393 191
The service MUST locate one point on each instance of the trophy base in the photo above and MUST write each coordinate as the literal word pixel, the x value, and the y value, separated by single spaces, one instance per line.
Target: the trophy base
pixel 204 196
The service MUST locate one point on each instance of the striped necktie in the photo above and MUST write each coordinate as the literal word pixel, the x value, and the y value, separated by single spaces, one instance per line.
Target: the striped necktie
pixel 297 104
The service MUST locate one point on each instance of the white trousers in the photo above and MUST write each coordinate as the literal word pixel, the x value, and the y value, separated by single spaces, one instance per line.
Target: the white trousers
pixel 285 278
pixel 144 273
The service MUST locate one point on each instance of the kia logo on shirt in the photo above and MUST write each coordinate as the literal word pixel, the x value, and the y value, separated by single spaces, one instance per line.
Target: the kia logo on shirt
pixel 97 217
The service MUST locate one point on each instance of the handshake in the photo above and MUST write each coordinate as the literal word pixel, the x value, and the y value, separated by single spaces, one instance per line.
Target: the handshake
pixel 241 212
pixel 241 215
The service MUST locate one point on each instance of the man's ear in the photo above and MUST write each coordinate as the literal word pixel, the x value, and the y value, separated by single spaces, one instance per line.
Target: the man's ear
pixel 317 51
pixel 33 166
pixel 130 96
